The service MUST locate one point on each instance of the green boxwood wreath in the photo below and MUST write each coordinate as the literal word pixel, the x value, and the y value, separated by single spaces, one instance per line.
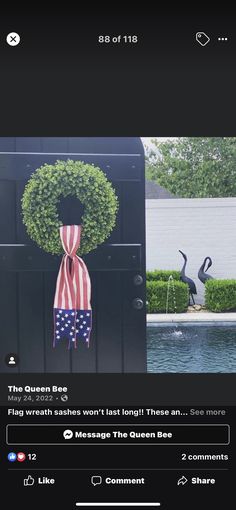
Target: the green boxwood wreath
pixel 49 184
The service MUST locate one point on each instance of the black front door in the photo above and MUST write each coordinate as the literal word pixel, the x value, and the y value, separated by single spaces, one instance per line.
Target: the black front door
pixel 117 268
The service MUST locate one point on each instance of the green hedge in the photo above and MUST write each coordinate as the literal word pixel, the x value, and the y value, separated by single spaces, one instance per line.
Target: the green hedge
pixel 161 275
pixel 220 295
pixel 157 296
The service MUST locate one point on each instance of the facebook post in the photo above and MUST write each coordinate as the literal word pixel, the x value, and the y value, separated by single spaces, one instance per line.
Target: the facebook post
pixel 117 260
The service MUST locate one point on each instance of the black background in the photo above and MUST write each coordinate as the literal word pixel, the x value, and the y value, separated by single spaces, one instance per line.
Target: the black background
pixel 112 456
pixel 122 461
pixel 128 389
pixel 180 435
pixel 60 82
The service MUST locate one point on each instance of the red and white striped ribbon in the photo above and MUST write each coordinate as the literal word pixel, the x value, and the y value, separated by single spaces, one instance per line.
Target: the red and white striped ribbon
pixel 73 288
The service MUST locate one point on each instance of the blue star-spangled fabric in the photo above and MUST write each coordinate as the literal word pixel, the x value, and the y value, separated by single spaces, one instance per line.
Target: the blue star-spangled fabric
pixel 74 325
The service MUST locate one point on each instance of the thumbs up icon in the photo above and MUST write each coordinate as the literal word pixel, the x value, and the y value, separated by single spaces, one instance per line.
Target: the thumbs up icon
pixel 28 481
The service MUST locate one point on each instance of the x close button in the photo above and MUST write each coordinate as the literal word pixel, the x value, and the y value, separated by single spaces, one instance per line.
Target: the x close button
pixel 13 39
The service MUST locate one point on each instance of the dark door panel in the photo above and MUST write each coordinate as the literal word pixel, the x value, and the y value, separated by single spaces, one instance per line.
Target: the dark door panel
pixel 28 274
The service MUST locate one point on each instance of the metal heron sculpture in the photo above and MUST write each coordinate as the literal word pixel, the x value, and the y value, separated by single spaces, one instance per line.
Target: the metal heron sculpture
pixel 202 273
pixel 185 279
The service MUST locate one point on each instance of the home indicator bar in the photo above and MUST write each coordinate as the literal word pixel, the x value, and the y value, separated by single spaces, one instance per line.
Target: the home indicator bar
pixel 119 504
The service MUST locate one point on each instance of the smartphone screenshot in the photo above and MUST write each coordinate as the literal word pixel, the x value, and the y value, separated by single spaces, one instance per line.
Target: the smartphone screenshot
pixel 117 260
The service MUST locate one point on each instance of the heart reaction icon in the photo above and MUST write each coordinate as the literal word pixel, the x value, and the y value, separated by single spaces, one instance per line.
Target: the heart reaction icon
pixel 21 456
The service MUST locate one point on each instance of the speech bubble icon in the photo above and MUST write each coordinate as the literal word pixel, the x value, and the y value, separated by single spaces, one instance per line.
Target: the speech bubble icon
pixel 96 480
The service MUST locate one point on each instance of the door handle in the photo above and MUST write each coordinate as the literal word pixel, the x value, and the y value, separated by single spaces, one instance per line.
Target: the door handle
pixel 137 304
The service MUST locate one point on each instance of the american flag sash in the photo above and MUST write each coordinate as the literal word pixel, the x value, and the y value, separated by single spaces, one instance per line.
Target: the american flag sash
pixel 72 310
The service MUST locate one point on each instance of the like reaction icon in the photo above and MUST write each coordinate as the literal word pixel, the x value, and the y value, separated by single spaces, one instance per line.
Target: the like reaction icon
pixel 29 481
pixel 12 457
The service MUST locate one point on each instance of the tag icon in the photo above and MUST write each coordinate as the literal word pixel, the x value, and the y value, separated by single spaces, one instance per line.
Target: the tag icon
pixel 202 38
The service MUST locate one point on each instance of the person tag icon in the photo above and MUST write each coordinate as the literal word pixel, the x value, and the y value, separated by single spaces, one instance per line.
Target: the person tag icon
pixel 11 360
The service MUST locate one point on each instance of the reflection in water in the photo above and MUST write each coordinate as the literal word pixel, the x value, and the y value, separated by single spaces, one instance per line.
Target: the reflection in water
pixel 191 348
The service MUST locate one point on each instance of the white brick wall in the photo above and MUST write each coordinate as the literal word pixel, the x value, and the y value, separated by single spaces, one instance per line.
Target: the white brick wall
pixel 199 227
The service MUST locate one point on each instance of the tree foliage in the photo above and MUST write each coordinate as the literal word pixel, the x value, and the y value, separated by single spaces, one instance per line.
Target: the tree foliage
pixel 194 167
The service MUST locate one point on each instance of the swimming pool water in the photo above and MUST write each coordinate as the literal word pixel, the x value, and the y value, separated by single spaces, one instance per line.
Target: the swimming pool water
pixel 191 348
